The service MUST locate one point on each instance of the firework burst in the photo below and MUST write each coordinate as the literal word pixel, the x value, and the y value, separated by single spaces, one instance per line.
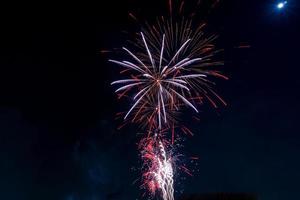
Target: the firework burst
pixel 169 81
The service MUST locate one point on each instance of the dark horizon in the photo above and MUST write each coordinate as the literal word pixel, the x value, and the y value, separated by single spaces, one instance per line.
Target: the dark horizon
pixel 220 196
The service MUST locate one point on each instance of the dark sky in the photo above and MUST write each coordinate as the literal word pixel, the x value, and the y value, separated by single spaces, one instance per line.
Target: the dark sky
pixel 58 136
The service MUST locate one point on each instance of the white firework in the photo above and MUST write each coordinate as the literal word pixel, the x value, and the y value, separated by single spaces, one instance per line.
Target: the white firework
pixel 169 83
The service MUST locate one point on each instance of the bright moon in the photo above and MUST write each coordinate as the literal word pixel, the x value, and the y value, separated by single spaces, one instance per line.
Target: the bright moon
pixel 281 4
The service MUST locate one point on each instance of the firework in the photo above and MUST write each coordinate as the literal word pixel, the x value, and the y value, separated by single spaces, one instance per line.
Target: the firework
pixel 168 80
pixel 158 165
pixel 170 66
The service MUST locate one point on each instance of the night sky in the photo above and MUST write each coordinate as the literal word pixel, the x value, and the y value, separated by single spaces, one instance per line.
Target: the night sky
pixel 58 136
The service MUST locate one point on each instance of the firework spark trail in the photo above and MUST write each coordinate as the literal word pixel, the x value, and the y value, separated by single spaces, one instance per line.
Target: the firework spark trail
pixel 164 175
pixel 159 171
